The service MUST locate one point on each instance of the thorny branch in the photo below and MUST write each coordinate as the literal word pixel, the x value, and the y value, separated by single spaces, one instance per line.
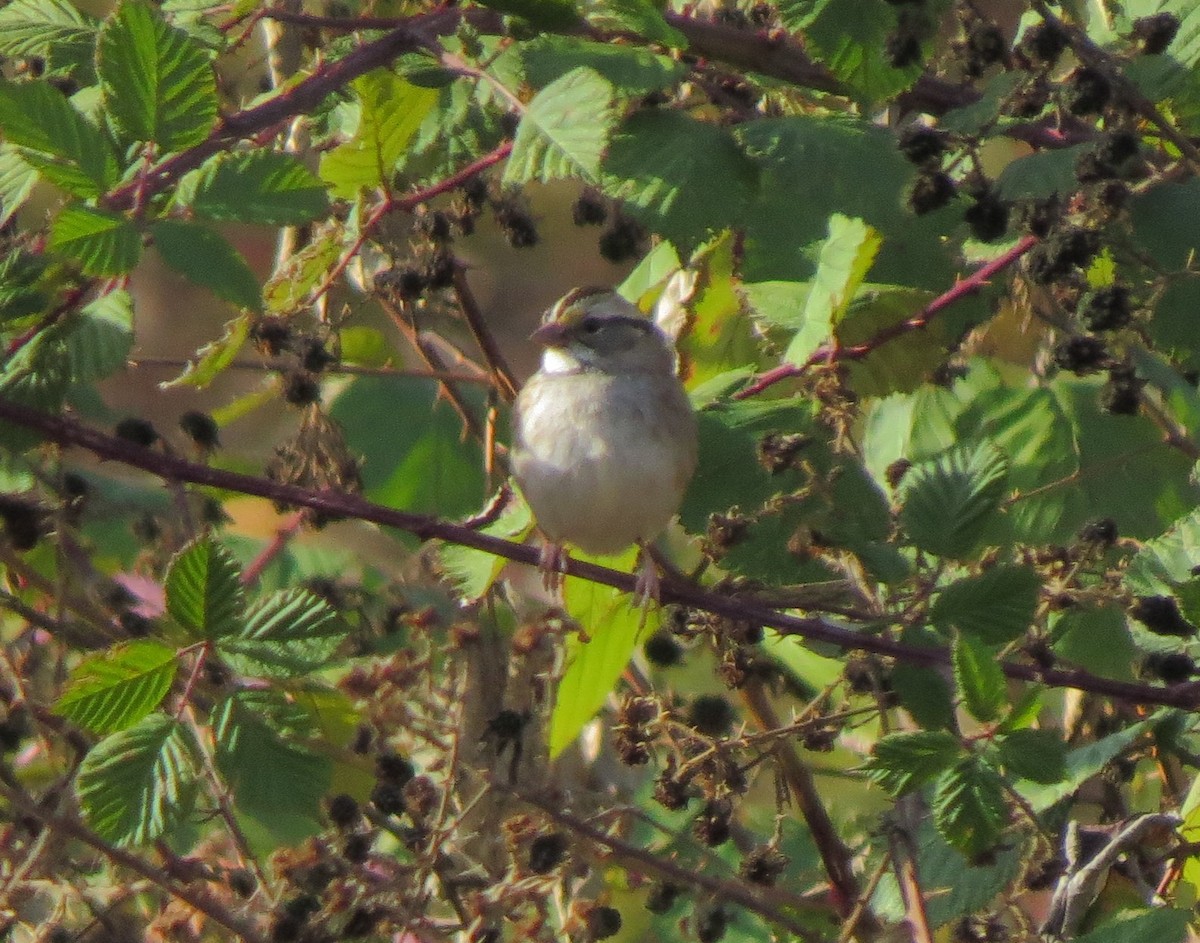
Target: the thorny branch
pixel 742 608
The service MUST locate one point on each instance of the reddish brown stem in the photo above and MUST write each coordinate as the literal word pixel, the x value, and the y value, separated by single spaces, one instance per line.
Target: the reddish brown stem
pixel 828 354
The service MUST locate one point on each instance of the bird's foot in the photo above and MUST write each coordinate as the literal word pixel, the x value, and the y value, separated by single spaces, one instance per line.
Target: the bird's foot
pixel 647 585
pixel 552 564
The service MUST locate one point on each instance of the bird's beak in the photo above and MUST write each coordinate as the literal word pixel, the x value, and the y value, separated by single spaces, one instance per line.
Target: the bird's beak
pixel 552 334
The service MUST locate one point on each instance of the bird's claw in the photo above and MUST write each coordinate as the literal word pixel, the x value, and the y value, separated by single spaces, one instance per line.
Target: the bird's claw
pixel 552 563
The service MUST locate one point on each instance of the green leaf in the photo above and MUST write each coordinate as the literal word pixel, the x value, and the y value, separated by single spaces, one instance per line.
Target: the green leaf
pixel 847 167
pixel 901 762
pixel 1160 924
pixel 115 689
pixel 665 165
pixel 924 692
pixel 614 625
pixel 158 84
pixel 259 187
pixel 49 29
pixel 969 808
pixel 205 257
pixel 204 590
pixel 951 885
pixel 947 501
pixel 53 137
pixel 642 17
pixel 390 111
pixel 287 633
pixel 212 359
pixel 632 70
pixel 136 784
pixel 1037 755
pixel 846 257
pixel 103 243
pixel 1084 762
pixel 548 14
pixel 1165 563
pixel 978 676
pixel 421 466
pixel 564 130
pixel 473 571
pixel 97 339
pixel 291 284
pixel 851 40
pixel 274 779
pixel 31 27
pixel 997 606
pixel 17 180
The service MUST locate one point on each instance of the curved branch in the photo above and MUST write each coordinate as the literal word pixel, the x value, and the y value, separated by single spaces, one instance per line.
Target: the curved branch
pixel 741 608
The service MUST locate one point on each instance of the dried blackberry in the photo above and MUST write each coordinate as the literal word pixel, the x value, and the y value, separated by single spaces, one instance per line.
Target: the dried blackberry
pixel 764 865
pixel 361 922
pixel 711 714
pixel 343 810
pixel 1122 394
pixel 603 922
pixel 1044 42
pixel 711 924
pixel 301 388
pixel 1080 354
pixel 23 522
pixel 623 240
pixel 931 190
pixel 356 848
pixel 987 217
pixel 546 852
pixel 985 45
pixel 1161 615
pixel 1087 91
pixel 138 431
pixel 713 825
pixel 1155 32
pixel 662 650
pixel 1106 309
pixel 921 144
pixel 388 798
pixel 1100 531
pixel 201 428
pixel 1171 667
pixel 315 356
pixel 271 335
pixel 662 897
pixel 589 209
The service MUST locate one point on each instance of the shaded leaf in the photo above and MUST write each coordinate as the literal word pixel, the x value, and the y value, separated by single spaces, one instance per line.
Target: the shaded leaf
pixel 103 243
pixel 663 165
pixel 286 633
pixel 259 187
pixel 947 500
pixel 978 676
pixel 630 69
pixel 46 27
pixel 158 84
pixel 997 606
pixel 969 808
pixel 205 257
pixel 17 179
pixel 136 784
pixel 204 590
pixel 901 762
pixel 274 779
pixel 53 137
pixel 115 689
pixel 1036 755
pixel 1160 924
pixel 97 339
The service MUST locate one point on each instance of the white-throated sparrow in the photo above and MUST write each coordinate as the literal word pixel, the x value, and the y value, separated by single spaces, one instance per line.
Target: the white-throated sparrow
pixel 604 435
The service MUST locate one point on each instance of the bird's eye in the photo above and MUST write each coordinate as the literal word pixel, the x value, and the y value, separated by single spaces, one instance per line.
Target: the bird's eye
pixel 590 326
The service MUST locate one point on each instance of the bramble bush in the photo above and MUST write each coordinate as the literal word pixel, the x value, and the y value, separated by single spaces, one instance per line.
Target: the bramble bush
pixel 926 662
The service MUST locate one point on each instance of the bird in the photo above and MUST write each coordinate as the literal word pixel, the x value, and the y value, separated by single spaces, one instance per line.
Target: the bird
pixel 604 436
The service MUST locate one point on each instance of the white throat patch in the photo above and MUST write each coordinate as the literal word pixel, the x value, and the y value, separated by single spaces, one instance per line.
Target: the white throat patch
pixel 557 360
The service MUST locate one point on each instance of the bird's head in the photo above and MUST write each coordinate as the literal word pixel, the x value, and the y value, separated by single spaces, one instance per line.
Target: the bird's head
pixel 597 329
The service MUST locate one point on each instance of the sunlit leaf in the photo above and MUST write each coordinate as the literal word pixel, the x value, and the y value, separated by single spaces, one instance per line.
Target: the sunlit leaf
pixel 113 690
